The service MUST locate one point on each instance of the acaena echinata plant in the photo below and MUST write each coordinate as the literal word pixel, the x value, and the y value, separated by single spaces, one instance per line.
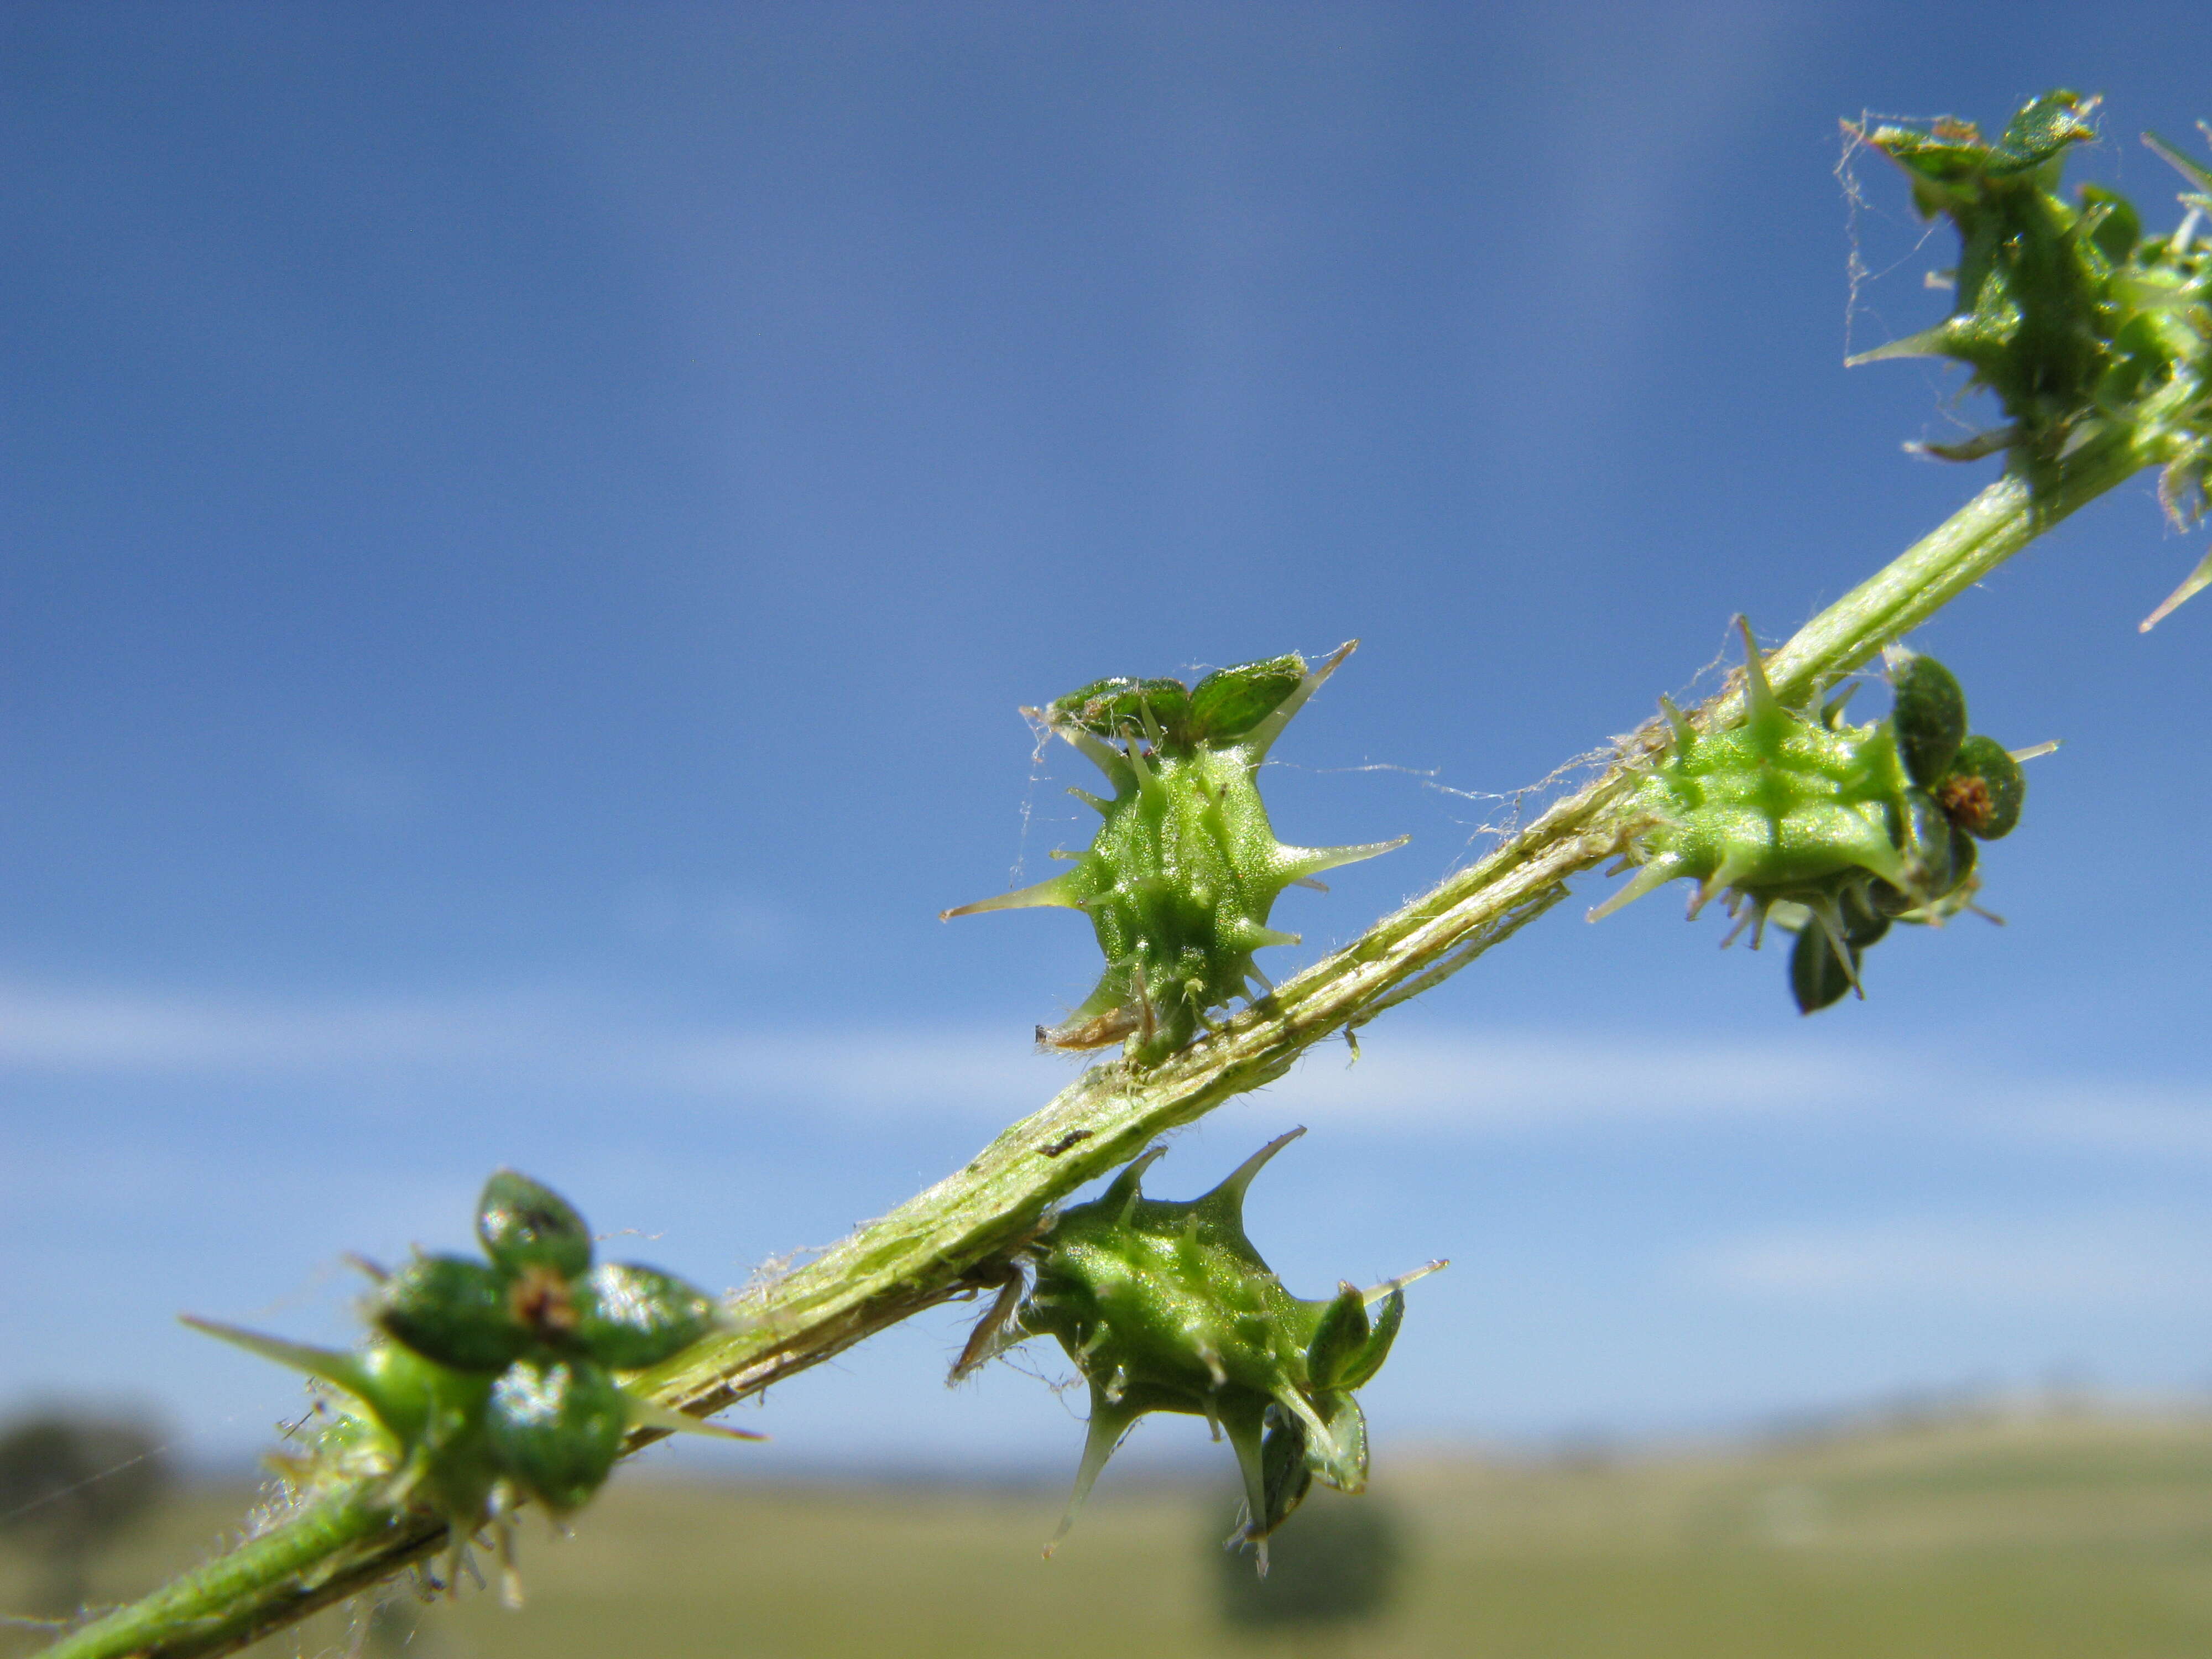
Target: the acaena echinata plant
pixel 2095 336
pixel 1181 877
pixel 1167 1306
pixel 2084 327
pixel 1833 829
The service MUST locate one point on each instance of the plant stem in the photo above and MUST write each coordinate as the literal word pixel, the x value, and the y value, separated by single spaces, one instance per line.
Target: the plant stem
pixel 954 1239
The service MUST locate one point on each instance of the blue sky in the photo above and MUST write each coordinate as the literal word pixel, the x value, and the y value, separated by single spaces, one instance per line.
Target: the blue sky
pixel 524 530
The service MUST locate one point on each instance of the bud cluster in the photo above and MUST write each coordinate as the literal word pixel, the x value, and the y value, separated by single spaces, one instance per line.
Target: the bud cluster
pixel 490 1381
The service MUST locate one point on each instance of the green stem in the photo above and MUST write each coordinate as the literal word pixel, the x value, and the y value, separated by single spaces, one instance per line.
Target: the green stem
pixel 344 1542
pixel 953 1239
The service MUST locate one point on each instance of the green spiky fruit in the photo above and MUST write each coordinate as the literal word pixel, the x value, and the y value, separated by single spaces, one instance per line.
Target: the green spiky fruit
pixel 2068 312
pixel 488 1384
pixel 1841 828
pixel 2031 277
pixel 1167 1307
pixel 1182 877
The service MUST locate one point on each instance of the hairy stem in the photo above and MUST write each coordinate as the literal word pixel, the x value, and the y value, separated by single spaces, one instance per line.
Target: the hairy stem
pixel 950 1240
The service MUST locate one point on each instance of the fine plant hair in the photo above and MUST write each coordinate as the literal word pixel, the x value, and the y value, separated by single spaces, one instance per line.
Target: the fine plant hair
pixel 2094 335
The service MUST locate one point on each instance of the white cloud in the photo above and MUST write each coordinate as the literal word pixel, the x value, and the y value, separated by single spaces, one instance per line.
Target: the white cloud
pixel 127 1031
pixel 1409 1078
pixel 2081 1260
pixel 1517 1083
pixel 1404 1079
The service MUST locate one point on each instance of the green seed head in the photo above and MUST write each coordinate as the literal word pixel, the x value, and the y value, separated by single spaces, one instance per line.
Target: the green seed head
pixel 1843 828
pixel 1165 1306
pixel 1777 807
pixel 1184 872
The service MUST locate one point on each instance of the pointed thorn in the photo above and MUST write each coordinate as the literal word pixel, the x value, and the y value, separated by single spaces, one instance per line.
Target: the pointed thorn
pixel 1100 753
pixel 1058 890
pixel 334 1365
pixel 651 1414
pixel 1831 925
pixel 1758 693
pixel 1312 860
pixel 1657 873
pixel 1109 1424
pixel 1756 913
pixel 1240 1177
pixel 1928 342
pixel 2035 750
pixel 1374 1293
pixel 1127 1186
pixel 2178 160
pixel 1262 738
pixel 2199 579
pixel 1708 890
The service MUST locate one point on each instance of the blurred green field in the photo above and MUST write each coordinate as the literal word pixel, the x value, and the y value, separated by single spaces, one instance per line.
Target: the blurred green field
pixel 2021 1536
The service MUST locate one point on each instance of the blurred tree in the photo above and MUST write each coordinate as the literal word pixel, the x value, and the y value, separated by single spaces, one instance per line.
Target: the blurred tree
pixel 1338 1566
pixel 67 1485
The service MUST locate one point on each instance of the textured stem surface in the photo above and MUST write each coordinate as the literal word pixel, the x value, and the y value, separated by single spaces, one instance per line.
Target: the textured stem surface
pixel 950 1240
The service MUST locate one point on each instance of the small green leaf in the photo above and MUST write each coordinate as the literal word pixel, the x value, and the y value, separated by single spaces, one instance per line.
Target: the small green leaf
pixel 1336 1452
pixel 1340 1340
pixel 1285 1474
pixel 2043 130
pixel 1123 708
pixel 1984 792
pixel 524 1224
pixel 1228 702
pixel 555 1427
pixel 2118 226
pixel 1363 1370
pixel 628 1317
pixel 454 1311
pixel 1818 977
pixel 1930 718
